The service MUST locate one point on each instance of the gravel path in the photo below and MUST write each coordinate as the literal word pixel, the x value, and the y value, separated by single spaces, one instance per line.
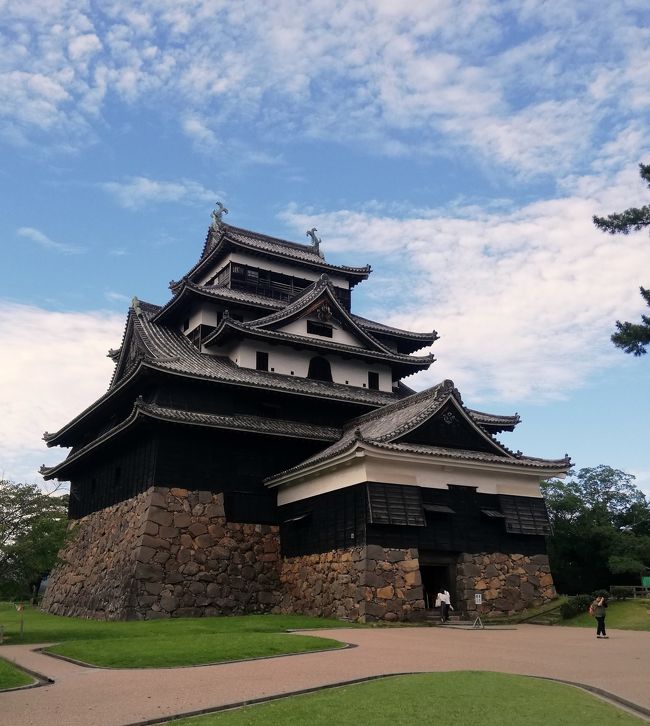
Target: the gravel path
pixel 101 697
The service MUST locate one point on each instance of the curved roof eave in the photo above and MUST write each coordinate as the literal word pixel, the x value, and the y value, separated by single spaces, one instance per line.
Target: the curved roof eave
pixel 188 289
pixel 283 252
pixel 358 446
pixel 251 424
pixel 228 325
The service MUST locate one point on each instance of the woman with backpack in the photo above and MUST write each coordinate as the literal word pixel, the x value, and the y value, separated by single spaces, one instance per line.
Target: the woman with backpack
pixel 597 609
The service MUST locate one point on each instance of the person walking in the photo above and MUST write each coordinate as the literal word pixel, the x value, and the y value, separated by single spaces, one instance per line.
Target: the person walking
pixel 443 601
pixel 598 609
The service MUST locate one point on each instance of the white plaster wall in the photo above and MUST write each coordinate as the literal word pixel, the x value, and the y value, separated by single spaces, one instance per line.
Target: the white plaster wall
pixel 202 314
pixel 205 313
pixel 299 327
pixel 423 473
pixel 284 360
pixel 353 473
pixel 295 269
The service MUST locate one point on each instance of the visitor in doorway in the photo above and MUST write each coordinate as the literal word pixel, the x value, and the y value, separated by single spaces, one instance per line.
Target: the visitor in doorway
pixel 443 601
pixel 597 609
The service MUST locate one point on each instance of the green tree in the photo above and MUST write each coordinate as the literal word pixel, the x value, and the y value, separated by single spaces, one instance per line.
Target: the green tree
pixel 32 529
pixel 631 337
pixel 601 528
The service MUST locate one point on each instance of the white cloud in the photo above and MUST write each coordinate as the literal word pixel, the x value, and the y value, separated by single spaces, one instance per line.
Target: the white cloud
pixel 524 301
pixel 118 297
pixel 49 244
pixel 54 365
pixel 83 46
pixel 140 191
pixel 526 86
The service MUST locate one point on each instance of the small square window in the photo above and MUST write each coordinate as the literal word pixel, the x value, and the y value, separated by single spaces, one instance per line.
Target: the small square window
pixel 319 329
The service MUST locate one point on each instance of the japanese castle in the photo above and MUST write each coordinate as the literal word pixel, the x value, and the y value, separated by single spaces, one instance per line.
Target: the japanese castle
pixel 257 451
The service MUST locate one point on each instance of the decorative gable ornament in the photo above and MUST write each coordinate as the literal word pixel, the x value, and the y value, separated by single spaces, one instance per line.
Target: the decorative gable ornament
pixel 217 214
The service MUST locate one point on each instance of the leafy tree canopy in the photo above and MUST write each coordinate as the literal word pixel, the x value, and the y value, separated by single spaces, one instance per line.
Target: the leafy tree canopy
pixel 631 337
pixel 32 529
pixel 601 529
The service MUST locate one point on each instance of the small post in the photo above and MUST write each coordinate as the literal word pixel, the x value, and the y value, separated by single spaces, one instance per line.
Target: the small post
pixel 478 601
pixel 21 609
pixel 2 634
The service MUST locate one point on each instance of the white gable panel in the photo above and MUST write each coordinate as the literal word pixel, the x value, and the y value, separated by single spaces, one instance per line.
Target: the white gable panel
pixel 339 335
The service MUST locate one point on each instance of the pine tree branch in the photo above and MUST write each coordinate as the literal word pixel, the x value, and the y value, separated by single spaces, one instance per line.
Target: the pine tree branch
pixel 631 220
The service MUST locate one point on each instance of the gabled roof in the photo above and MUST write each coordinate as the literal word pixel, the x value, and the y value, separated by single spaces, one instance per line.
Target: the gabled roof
pixel 227 237
pixel 314 298
pixel 408 340
pixel 493 422
pixel 168 351
pixel 214 293
pixel 135 345
pixel 388 427
pixel 251 424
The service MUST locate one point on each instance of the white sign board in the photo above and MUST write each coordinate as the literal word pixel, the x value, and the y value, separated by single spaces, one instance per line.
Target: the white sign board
pixel 478 598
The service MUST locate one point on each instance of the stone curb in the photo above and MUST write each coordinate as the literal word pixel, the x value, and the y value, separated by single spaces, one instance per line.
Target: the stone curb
pixel 40 679
pixel 638 710
pixel 617 701
pixel 82 664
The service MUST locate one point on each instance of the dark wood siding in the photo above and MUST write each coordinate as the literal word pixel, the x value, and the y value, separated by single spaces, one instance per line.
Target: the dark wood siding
pixel 118 473
pixel 320 524
pixel 324 523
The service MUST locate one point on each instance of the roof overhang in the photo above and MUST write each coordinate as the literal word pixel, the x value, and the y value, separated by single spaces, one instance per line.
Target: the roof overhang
pixel 367 451
pixel 247 424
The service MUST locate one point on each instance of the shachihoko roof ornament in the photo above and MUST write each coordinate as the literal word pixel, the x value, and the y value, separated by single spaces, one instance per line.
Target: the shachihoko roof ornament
pixel 217 215
pixel 315 241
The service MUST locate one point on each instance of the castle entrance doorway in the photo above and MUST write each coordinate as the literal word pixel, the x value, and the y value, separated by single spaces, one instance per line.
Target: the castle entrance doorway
pixel 436 571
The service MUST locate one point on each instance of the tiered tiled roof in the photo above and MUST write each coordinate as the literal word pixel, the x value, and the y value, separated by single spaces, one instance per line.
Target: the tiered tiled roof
pixel 215 293
pixel 495 422
pixel 251 424
pixel 168 350
pixel 227 237
pixel 416 340
pixel 322 290
pixel 384 427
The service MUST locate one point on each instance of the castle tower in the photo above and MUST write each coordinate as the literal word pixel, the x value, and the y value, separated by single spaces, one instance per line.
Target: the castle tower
pixel 257 451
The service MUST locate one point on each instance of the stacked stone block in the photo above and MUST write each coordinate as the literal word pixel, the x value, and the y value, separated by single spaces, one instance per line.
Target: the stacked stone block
pixel 361 583
pixel 507 583
pixel 167 553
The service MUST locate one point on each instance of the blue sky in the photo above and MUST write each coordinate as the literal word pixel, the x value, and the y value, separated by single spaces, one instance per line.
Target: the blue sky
pixel 460 148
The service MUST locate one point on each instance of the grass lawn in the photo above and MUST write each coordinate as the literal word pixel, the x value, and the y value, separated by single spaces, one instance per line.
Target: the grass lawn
pixel 623 614
pixel 12 677
pixel 181 650
pixel 453 699
pixel 170 642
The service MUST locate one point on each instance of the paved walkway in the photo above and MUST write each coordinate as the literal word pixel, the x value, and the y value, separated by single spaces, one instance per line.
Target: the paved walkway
pixel 99 697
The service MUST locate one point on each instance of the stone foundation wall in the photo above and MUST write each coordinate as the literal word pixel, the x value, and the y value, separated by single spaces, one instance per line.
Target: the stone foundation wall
pixel 508 583
pixel 324 584
pixel 166 553
pixel 192 562
pixel 94 577
pixel 392 585
pixel 360 583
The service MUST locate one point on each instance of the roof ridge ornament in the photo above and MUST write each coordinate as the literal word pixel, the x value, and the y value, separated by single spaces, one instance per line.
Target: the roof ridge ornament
pixel 135 304
pixel 315 241
pixel 217 214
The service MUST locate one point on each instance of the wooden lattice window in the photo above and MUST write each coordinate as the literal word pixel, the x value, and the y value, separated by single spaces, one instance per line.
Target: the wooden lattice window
pixel 525 515
pixel 395 504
